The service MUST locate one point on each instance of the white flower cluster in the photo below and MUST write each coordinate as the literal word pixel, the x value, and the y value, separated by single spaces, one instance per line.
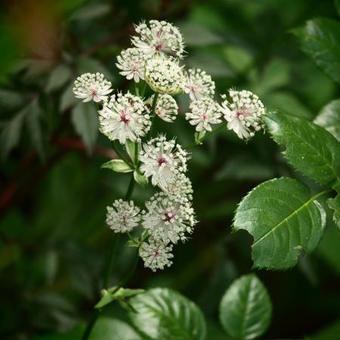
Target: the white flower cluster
pixel 122 216
pixel 92 86
pixel 155 59
pixel 124 117
pixel 243 113
pixel 203 113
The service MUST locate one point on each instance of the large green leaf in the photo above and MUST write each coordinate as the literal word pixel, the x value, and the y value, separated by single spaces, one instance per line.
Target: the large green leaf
pixel 165 314
pixel 113 329
pixel 329 118
pixel 320 40
pixel 284 219
pixel 309 148
pixel 245 309
pixel 85 122
pixel 334 204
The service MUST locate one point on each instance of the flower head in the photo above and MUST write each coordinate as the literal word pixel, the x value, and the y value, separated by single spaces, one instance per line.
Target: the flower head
pixel 167 219
pixel 131 62
pixel 156 254
pixel 180 188
pixel 164 75
pixel 158 37
pixel 203 113
pixel 243 113
pixel 122 216
pixel 92 86
pixel 166 108
pixel 199 84
pixel 162 160
pixel 124 117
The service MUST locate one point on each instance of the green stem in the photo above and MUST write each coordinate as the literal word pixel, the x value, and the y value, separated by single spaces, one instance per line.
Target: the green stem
pixel 110 266
pixel 121 155
pixel 153 114
pixel 143 89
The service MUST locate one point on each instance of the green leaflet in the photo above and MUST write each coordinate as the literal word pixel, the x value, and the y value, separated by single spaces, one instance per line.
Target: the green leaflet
pixel 320 40
pixel 85 122
pixel 329 118
pixel 309 148
pixel 284 219
pixel 117 165
pixel 165 314
pixel 334 203
pixel 245 309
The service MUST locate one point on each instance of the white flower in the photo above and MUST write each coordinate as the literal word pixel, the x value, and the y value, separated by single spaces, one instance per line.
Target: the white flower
pixel 199 84
pixel 243 113
pixel 162 160
pixel 164 75
pixel 167 219
pixel 180 188
pixel 131 62
pixel 124 117
pixel 156 255
pixel 92 86
pixel 122 216
pixel 159 37
pixel 203 113
pixel 166 108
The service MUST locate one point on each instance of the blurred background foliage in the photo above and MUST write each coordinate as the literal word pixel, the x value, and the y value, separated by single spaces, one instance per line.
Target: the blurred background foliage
pixel 53 240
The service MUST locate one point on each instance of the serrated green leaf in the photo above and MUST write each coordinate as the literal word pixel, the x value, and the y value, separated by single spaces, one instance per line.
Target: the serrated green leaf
pixel 320 40
pixel 113 329
pixel 86 64
pixel 58 77
pixel 284 219
pixel 310 148
pixel 11 131
pixel 117 165
pixel 139 178
pixel 329 118
pixel 11 100
pixel 114 293
pixel 34 127
pixel 91 11
pixel 85 122
pixel 245 309
pixel 165 314
pixel 334 204
pixel 199 136
pixel 67 99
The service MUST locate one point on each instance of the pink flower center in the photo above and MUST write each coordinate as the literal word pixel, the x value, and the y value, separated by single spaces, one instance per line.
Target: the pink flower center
pixel 124 118
pixel 168 216
pixel 159 46
pixel 93 93
pixel 155 253
pixel 161 160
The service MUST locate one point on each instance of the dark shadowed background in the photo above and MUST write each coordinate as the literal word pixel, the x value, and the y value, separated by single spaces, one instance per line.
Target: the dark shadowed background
pixel 54 242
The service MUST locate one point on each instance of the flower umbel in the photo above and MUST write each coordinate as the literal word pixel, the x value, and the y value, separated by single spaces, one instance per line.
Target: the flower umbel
pixel 122 216
pixel 131 62
pixel 92 86
pixel 156 255
pixel 124 117
pixel 164 75
pixel 158 37
pixel 243 113
pixel 162 160
pixel 168 220
pixel 166 108
pixel 203 113
pixel 199 84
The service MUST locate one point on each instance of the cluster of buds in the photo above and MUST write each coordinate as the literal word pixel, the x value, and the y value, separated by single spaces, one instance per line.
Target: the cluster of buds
pixel 156 59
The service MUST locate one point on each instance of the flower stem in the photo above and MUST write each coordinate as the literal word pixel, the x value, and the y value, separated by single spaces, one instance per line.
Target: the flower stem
pixel 110 266
pixel 121 155
pixel 153 113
